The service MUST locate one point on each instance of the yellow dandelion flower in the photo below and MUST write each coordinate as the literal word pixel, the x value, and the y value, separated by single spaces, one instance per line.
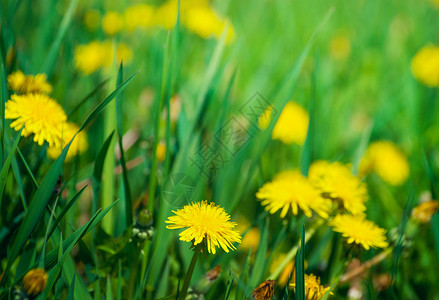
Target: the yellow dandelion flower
pixel 425 65
pixel 358 230
pixel 385 159
pixel 285 274
pixel 139 16
pixel 205 222
pixel 91 57
pixel 251 236
pixel 340 47
pixel 313 288
pixel 92 19
pixel 424 211
pixel 39 114
pixel 292 125
pixel 23 84
pixel 78 146
pixel 292 189
pixel 112 22
pixel 336 182
pixel 34 282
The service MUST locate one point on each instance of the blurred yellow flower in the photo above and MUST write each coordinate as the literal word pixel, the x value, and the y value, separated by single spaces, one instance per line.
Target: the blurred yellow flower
pixel 251 238
pixel 34 282
pixel 23 84
pixel 78 146
pixel 205 222
pixel 385 159
pixel 39 114
pixel 96 55
pixel 292 125
pixel 340 47
pixel 92 19
pixel 161 151
pixel 424 211
pixel 290 188
pixel 358 230
pixel 313 289
pixel 336 182
pixel 425 65
pixel 285 274
pixel 112 22
pixel 139 16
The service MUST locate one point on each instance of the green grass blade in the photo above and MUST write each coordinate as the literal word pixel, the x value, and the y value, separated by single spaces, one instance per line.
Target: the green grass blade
pixel 5 168
pixel 37 206
pixel 105 102
pixel 87 97
pixel 261 256
pixel 71 289
pixel 300 268
pixel 54 50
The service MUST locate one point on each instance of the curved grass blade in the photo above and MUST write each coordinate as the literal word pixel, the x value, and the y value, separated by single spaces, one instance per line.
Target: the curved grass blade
pixel 53 53
pixel 87 97
pixel 7 164
pixel 37 206
pixel 71 288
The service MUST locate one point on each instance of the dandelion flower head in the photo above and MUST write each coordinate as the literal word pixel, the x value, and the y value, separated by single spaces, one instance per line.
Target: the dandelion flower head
pixel 34 282
pixel 336 182
pixel 205 222
pixel 112 22
pixel 40 115
pixel 313 288
pixel 139 16
pixel 78 146
pixel 292 189
pixel 360 231
pixel 23 84
pixel 385 159
pixel 424 211
pixel 292 125
pixel 425 65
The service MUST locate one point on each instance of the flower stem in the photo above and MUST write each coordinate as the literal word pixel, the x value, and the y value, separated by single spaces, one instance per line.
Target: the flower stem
pixel 190 270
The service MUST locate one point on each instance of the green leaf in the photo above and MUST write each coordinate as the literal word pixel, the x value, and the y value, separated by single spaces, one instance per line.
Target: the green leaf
pixel 261 256
pixel 300 268
pixel 54 50
pixel 5 168
pixel 37 206
pixel 105 102
pixel 71 289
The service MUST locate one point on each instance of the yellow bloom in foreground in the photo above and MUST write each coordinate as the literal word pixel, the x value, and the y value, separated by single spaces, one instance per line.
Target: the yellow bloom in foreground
pixel 423 212
pixel 112 22
pixel 23 84
pixel 336 182
pixel 290 188
pixel 292 125
pixel 313 289
pixel 39 114
pixel 358 230
pixel 34 282
pixel 205 222
pixel 385 159
pixel 78 146
pixel 425 65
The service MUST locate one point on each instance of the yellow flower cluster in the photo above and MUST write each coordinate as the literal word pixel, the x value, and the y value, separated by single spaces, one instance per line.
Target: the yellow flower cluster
pixel 41 116
pixel 34 282
pixel 292 189
pixel 196 15
pixel 425 211
pixel 292 125
pixel 93 56
pixel 425 65
pixel 386 160
pixel 335 181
